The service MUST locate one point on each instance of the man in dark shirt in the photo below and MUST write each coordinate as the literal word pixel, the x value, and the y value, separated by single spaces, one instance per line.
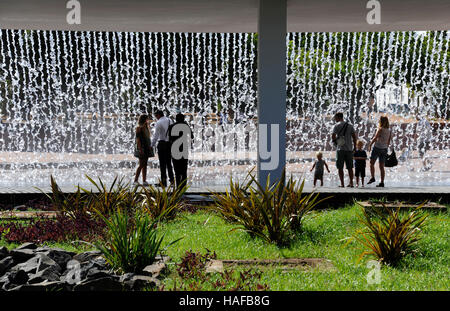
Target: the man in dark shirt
pixel 180 148
pixel 360 157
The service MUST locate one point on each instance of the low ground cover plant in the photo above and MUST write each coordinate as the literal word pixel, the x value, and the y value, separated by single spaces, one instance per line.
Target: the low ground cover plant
pixel 63 228
pixel 271 211
pixel 389 233
pixel 192 275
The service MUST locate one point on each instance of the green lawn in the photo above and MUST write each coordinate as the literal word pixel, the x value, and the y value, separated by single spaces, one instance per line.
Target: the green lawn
pixel 325 235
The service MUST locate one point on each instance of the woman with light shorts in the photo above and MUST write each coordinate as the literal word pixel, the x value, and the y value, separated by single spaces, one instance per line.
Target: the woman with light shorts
pixel 381 140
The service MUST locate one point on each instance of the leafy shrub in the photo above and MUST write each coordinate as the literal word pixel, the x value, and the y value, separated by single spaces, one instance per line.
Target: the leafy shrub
pixel 162 203
pixel 85 202
pixel 70 204
pixel 389 234
pixel 64 228
pixel 108 200
pixel 131 244
pixel 269 212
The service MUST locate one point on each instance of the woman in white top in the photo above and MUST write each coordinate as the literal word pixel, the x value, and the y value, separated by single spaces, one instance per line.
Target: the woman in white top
pixel 382 139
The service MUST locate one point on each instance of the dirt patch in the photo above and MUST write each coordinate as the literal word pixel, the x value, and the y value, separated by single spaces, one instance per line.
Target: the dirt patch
pixel 430 205
pixel 304 264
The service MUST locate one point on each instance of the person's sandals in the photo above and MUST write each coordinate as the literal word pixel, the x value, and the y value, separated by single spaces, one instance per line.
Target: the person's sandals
pixel 371 181
pixel 380 184
pixel 349 186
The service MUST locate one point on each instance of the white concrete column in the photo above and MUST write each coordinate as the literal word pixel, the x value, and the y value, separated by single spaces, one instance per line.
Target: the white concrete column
pixel 272 26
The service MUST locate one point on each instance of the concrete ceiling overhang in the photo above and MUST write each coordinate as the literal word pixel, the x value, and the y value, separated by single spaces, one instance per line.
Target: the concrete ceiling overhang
pixel 223 15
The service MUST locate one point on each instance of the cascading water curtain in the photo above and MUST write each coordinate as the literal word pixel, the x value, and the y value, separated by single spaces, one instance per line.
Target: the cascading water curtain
pixel 404 75
pixel 69 101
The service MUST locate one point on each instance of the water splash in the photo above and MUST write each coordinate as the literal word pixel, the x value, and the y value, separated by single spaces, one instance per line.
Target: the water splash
pixel 69 101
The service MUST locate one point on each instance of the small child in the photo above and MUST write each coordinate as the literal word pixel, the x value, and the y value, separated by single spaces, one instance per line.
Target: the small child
pixel 360 157
pixel 318 173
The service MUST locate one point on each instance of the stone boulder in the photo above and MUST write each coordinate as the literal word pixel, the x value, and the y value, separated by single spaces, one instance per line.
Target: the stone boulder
pixel 3 252
pixel 37 263
pixel 33 268
pixel 21 255
pixel 86 256
pixel 18 277
pixel 50 274
pixel 154 270
pixel 102 284
pixel 60 256
pixel 27 245
pixel 139 282
pixel 41 287
pixel 6 264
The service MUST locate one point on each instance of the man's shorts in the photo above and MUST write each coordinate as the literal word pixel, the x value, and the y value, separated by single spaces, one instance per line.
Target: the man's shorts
pixel 344 156
pixel 378 153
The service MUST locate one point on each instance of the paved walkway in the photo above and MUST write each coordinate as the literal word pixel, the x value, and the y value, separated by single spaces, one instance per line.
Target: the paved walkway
pixel 307 189
pixel 20 172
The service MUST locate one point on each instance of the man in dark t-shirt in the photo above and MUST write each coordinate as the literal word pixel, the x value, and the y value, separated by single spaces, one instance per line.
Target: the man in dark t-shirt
pixel 180 156
pixel 344 137
pixel 360 157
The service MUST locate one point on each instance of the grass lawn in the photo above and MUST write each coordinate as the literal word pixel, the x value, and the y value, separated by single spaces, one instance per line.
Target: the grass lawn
pixel 325 235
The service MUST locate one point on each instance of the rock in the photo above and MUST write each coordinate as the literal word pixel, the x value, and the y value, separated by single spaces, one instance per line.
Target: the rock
pixel 126 277
pixel 102 284
pixel 21 255
pixel 164 259
pixel 100 262
pixel 214 266
pixel 8 285
pixel 85 267
pixel 86 256
pixel 4 279
pixel 37 263
pixel 27 246
pixel 95 273
pixel 154 270
pixel 46 262
pixel 42 249
pixel 49 274
pixel 43 286
pixel 6 264
pixel 138 282
pixel 3 252
pixel 83 270
pixel 20 208
pixel 61 257
pixel 18 277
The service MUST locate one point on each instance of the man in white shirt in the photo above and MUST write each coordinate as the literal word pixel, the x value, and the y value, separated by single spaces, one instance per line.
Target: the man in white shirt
pixel 161 140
